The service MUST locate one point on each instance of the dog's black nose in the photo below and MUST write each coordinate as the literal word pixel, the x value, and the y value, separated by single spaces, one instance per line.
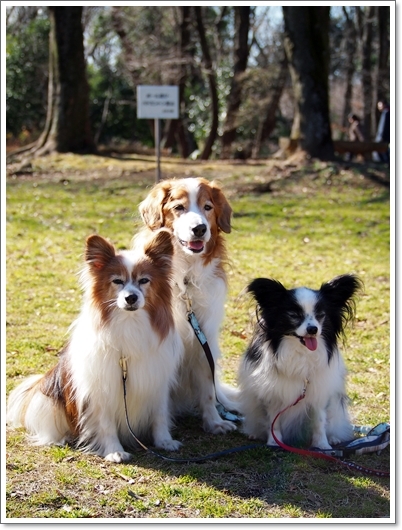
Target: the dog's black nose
pixel 131 299
pixel 312 330
pixel 199 230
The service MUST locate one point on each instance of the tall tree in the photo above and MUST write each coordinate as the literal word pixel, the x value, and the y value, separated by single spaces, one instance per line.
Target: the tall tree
pixel 350 67
pixel 366 18
pixel 176 129
pixel 267 120
pixel 383 52
pixel 158 50
pixel 241 51
pixel 67 125
pixel 307 49
pixel 185 53
pixel 213 90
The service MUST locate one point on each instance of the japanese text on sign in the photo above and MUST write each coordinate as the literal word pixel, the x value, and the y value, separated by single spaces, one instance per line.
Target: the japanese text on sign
pixel 158 102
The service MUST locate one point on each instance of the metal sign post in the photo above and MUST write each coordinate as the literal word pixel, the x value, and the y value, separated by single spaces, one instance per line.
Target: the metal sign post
pixel 158 149
pixel 157 102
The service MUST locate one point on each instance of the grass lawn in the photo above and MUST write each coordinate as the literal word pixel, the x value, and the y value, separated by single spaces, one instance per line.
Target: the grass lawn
pixel 300 223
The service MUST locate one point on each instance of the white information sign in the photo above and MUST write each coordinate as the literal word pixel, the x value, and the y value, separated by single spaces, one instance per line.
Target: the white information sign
pixel 158 102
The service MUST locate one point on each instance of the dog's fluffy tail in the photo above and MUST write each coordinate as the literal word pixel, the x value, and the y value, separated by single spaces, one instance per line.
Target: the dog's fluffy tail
pixel 228 396
pixel 43 419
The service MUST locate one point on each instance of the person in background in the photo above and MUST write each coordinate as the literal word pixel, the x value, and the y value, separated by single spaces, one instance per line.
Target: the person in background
pixel 355 132
pixel 383 130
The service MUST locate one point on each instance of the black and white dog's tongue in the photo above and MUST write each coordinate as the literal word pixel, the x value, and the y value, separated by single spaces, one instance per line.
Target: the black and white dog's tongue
pixel 310 343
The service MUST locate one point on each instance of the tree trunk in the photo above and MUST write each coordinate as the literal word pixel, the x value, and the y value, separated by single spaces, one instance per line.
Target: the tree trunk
pixel 177 130
pixel 266 125
pixel 242 26
pixel 383 52
pixel 206 153
pixel 366 20
pixel 105 113
pixel 67 125
pixel 178 125
pixel 307 49
pixel 350 68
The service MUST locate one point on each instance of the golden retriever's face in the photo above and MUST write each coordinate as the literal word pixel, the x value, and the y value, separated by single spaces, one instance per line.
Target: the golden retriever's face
pixel 193 209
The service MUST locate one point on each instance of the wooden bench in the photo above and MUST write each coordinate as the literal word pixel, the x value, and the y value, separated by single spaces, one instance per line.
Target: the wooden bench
pixel 359 148
pixel 340 146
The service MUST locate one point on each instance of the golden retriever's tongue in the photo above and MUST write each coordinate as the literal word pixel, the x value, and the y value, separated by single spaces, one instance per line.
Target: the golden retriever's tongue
pixel 195 245
pixel 311 343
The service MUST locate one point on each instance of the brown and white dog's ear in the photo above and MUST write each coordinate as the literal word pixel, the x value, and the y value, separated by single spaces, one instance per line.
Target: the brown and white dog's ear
pixel 224 210
pixel 151 208
pixel 160 246
pixel 98 252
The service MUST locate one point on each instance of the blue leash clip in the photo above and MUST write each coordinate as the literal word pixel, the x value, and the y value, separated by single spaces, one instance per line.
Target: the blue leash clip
pixel 196 327
pixel 225 414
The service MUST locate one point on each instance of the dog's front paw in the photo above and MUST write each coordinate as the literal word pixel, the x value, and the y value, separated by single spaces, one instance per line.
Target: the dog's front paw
pixel 219 427
pixel 118 457
pixel 169 445
pixel 334 440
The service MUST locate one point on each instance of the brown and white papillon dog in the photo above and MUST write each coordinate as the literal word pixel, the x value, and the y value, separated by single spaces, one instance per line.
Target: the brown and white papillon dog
pixel 126 313
pixel 197 214
pixel 295 346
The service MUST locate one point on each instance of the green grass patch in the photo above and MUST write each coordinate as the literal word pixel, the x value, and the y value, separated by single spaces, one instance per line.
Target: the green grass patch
pixel 318 220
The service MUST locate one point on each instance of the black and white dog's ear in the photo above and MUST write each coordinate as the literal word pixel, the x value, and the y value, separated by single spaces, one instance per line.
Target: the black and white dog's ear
pixel 267 292
pixel 339 296
pixel 342 288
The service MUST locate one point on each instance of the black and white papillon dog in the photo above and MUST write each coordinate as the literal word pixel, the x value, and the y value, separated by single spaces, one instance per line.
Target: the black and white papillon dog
pixel 295 346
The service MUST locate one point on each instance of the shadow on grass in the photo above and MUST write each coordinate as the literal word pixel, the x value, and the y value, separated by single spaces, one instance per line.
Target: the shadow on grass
pixel 275 477
pixel 258 483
